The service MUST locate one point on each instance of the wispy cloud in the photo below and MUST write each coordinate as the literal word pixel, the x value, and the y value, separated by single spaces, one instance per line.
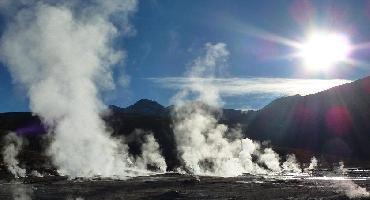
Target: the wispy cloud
pixel 254 85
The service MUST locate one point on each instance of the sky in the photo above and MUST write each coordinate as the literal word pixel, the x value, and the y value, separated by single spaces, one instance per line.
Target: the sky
pixel 168 35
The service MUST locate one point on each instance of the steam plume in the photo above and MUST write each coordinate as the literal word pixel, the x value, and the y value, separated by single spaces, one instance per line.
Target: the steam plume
pixel 62 58
pixel 351 189
pixel 151 155
pixel 12 146
pixel 312 166
pixel 348 187
pixel 202 142
pixel 270 159
pixel 291 165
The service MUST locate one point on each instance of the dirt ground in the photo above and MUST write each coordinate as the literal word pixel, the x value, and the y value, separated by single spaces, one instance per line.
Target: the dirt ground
pixel 175 186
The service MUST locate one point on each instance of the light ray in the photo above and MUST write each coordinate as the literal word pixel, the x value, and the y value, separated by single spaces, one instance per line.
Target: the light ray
pixel 256 32
pixel 253 31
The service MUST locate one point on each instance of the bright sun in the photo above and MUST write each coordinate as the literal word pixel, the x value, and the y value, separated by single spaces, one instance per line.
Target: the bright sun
pixel 323 50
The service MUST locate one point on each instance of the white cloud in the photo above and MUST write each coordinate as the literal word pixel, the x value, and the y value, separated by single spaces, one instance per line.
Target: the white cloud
pixel 254 85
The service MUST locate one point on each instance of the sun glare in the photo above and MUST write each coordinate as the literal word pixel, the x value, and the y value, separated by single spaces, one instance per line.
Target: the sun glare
pixel 321 51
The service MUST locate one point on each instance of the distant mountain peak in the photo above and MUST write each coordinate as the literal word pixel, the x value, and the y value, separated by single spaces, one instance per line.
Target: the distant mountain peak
pixel 147 102
pixel 146 107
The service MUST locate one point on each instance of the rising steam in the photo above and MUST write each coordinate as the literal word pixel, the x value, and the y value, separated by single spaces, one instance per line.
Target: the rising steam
pixel 291 165
pixel 312 166
pixel 12 146
pixel 202 142
pixel 348 187
pixel 62 58
pixel 351 189
pixel 151 155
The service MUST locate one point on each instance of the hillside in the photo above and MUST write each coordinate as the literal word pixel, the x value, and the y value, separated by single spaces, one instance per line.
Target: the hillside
pixel 333 123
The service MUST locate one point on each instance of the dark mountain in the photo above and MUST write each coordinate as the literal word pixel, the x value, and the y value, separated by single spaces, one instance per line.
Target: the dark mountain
pixel 143 107
pixel 334 123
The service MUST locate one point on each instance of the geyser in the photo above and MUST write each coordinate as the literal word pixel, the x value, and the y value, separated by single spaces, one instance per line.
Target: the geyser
pixel 202 142
pixel 62 58
pixel 12 146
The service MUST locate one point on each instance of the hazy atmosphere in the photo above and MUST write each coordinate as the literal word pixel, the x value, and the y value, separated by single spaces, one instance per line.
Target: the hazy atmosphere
pixel 160 99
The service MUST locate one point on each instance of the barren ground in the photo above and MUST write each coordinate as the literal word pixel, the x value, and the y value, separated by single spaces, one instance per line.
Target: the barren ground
pixel 174 186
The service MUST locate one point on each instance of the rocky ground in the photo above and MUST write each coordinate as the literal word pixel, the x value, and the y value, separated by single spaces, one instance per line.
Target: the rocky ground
pixel 176 186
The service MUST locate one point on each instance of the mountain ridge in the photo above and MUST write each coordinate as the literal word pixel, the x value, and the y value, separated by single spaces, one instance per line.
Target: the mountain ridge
pixel 333 123
pixel 339 115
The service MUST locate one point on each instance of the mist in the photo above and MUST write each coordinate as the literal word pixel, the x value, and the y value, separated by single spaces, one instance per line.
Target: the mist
pixel 348 187
pixel 11 149
pixel 151 155
pixel 351 189
pixel 203 143
pixel 63 59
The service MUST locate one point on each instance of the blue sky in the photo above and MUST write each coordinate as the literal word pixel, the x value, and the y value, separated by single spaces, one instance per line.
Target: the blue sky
pixel 170 34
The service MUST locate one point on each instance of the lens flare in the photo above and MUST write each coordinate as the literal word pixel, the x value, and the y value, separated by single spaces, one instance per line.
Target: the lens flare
pixel 323 50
